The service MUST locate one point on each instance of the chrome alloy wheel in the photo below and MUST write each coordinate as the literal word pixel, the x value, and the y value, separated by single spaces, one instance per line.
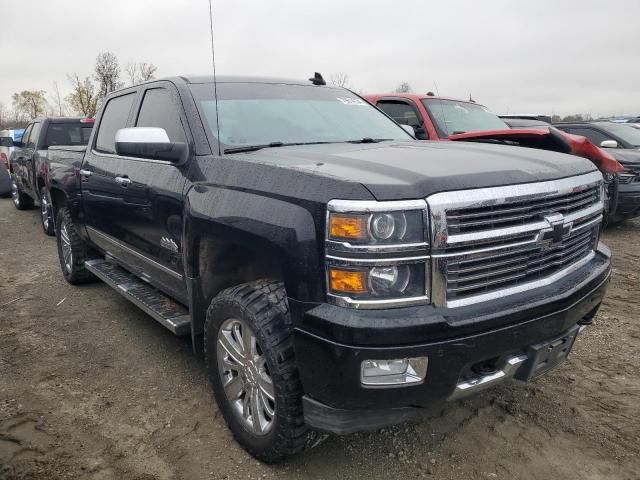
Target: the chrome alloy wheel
pixel 44 210
pixel 245 376
pixel 67 254
pixel 15 195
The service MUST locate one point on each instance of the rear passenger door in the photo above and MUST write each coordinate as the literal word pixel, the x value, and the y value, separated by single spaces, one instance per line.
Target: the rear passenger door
pixel 145 197
pixel 18 159
pixel 26 161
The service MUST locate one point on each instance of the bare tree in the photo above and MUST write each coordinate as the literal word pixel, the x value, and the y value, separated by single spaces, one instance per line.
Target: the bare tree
pixel 3 114
pixel 31 103
pixel 147 71
pixel 56 101
pixel 132 72
pixel 83 98
pixel 107 73
pixel 404 87
pixel 140 72
pixel 339 79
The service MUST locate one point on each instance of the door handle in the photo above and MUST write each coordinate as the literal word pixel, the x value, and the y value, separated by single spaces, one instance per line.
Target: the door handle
pixel 85 173
pixel 123 181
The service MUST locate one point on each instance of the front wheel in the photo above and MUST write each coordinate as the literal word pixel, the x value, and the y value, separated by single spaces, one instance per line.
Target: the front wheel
pixel 251 365
pixel 21 200
pixel 46 215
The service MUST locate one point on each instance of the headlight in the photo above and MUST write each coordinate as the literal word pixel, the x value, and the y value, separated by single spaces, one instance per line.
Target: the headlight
pixel 377 227
pixel 376 253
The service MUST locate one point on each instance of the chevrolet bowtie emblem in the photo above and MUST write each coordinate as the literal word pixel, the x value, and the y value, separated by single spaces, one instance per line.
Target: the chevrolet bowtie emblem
pixel 553 236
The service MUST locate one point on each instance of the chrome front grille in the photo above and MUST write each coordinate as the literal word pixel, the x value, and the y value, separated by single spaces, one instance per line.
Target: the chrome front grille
pixel 519 212
pixel 504 268
pixel 492 242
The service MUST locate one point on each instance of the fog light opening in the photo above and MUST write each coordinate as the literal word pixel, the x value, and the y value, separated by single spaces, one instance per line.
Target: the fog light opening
pixel 394 373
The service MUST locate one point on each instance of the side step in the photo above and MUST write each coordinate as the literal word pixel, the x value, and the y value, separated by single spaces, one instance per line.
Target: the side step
pixel 156 304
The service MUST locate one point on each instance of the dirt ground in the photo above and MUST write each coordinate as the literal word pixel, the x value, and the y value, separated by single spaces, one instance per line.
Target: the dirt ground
pixel 92 388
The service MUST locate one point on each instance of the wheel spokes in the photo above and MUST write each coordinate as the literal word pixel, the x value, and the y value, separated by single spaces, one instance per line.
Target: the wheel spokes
pixel 266 386
pixel 245 377
pixel 234 387
pixel 233 348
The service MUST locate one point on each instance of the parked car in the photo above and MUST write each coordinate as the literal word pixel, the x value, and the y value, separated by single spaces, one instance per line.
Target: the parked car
pixel 337 274
pixel 437 118
pixel 29 162
pixel 6 139
pixel 622 141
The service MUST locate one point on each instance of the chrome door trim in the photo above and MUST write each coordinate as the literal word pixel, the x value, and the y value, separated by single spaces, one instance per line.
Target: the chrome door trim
pixel 137 159
pixel 119 244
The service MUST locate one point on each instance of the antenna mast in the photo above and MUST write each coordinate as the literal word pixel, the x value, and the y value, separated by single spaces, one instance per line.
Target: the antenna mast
pixel 215 83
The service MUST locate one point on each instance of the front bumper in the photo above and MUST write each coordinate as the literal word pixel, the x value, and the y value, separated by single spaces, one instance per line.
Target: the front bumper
pixel 331 343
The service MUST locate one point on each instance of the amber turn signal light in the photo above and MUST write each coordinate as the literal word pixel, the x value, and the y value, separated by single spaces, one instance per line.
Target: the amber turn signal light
pixel 347 226
pixel 347 281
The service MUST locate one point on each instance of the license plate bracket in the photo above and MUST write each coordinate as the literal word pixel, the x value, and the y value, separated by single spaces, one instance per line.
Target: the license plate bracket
pixel 545 356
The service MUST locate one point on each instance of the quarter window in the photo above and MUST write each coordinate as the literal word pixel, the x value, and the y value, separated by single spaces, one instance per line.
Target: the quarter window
pixel 114 118
pixel 160 110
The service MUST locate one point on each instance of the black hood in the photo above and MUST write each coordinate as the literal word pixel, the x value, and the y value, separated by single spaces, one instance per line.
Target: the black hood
pixel 626 156
pixel 409 170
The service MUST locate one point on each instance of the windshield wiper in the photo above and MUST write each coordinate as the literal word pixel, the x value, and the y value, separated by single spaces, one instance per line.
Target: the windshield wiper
pixel 370 140
pixel 253 148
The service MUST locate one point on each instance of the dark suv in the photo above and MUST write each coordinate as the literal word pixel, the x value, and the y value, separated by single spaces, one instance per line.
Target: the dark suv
pixel 623 143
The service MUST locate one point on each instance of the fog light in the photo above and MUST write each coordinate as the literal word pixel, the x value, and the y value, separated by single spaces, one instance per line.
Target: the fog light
pixel 393 373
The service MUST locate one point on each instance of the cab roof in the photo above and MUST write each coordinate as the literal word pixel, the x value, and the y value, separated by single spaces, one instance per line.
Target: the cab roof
pixel 418 97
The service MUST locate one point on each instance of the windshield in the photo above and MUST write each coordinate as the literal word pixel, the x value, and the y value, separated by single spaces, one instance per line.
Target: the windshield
pixel 263 114
pixel 626 133
pixel 451 117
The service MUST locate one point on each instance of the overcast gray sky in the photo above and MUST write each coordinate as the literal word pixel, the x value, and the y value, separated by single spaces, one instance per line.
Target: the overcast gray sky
pixel 542 56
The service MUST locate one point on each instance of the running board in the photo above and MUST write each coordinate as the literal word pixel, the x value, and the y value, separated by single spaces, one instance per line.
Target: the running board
pixel 156 304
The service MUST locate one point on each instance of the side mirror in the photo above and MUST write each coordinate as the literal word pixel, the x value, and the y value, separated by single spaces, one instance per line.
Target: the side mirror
pixel 150 142
pixel 609 144
pixel 409 129
pixel 7 142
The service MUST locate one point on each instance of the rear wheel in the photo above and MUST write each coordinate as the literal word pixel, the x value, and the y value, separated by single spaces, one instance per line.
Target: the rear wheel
pixel 72 250
pixel 20 200
pixel 251 364
pixel 46 215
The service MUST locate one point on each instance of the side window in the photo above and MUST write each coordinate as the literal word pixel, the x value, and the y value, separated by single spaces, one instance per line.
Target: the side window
pixel 595 136
pixel 159 110
pixel 113 119
pixel 401 112
pixel 33 136
pixel 404 114
pixel 26 134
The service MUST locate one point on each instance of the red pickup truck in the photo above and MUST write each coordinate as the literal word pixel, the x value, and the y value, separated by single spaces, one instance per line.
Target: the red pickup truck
pixel 440 118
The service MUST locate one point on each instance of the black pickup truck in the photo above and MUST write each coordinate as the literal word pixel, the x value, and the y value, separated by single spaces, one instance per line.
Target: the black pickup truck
pixel 337 274
pixel 43 144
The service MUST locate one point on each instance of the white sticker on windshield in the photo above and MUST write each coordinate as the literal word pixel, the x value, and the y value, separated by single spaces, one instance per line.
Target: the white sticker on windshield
pixel 351 101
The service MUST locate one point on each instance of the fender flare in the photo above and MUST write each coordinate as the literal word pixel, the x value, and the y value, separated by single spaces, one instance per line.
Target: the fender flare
pixel 271 236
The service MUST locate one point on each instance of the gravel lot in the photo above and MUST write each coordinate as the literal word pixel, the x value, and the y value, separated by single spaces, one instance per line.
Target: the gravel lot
pixel 92 388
